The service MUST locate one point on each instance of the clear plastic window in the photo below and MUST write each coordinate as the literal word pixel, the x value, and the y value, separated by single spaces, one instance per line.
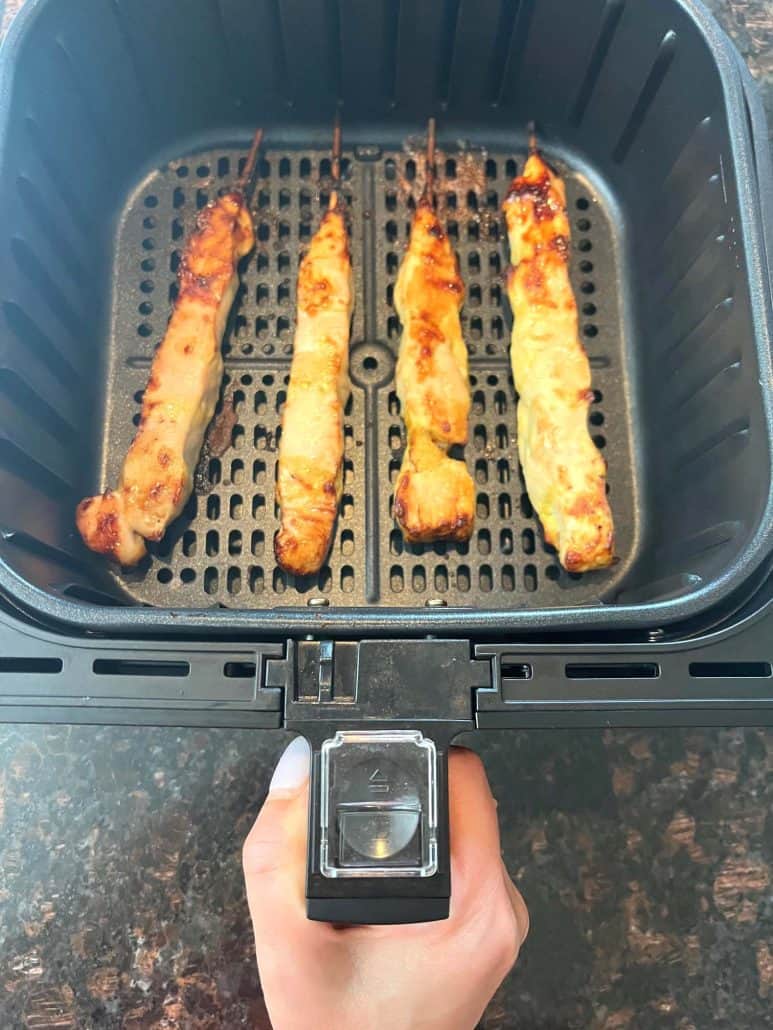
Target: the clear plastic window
pixel 378 809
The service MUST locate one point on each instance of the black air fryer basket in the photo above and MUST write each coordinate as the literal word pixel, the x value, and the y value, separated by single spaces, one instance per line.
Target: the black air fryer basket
pixel 119 120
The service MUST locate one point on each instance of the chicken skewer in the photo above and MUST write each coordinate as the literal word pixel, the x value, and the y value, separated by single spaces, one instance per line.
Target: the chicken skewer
pixel 434 493
pixel 184 384
pixel 564 472
pixel 311 447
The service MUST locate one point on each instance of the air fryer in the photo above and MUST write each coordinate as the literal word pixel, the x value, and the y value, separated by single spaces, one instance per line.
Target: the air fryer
pixel 120 120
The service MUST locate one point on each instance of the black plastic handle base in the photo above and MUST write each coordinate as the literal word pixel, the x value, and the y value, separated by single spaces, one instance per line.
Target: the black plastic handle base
pixel 395 686
pixel 377 911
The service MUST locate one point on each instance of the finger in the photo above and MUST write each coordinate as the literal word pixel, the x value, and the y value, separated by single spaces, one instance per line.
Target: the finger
pixel 274 853
pixel 475 848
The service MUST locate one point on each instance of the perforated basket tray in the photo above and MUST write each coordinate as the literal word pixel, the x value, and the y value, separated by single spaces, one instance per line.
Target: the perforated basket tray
pixel 119 123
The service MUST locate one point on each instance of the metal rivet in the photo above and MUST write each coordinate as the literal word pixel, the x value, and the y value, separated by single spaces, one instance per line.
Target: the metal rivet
pixel 318 602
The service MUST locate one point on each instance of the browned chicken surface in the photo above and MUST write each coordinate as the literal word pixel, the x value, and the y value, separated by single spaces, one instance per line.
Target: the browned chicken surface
pixel 564 472
pixel 180 398
pixel 311 447
pixel 434 493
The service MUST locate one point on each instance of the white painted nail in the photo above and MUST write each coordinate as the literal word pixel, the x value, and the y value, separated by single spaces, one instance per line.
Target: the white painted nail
pixel 292 769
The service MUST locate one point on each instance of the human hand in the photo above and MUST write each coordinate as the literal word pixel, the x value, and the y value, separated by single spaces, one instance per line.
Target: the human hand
pixel 433 976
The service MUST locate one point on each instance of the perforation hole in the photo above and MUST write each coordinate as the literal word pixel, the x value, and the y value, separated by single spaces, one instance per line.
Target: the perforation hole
pixel 528 542
pixel 257 542
pixel 347 579
pixel 530 578
pixel 418 579
pixel 257 580
pixel 347 543
pixel 481 471
pixel 211 580
pixel 484 541
pixel 482 506
pixel 506 541
pixel 463 579
pixel 396 580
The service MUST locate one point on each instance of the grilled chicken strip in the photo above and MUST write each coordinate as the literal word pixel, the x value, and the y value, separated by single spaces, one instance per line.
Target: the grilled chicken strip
pixel 565 473
pixel 311 447
pixel 434 494
pixel 181 394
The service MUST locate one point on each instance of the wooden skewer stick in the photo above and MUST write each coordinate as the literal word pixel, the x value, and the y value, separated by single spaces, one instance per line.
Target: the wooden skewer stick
pixel 532 130
pixel 428 196
pixel 336 162
pixel 244 181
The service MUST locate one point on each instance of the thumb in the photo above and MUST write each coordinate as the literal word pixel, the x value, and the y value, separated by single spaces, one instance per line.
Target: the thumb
pixel 274 853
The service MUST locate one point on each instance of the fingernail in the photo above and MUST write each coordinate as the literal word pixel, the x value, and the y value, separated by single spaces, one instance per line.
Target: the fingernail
pixel 292 769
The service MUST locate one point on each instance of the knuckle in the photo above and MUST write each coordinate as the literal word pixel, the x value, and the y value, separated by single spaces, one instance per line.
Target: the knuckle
pixel 506 938
pixel 261 855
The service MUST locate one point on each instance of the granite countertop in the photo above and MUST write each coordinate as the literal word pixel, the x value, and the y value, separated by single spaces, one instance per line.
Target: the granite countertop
pixel 646 858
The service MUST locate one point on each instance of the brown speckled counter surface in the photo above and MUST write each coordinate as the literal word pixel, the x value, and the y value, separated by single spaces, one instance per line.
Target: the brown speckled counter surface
pixel 646 858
